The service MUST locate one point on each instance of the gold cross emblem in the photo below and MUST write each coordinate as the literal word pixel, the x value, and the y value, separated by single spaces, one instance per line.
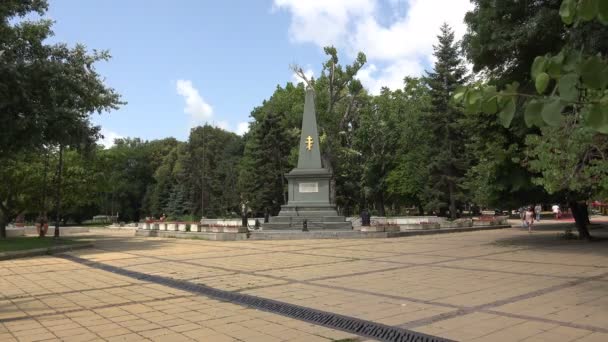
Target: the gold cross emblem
pixel 309 143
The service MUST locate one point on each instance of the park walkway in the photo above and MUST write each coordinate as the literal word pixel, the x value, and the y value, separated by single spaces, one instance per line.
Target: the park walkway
pixel 500 285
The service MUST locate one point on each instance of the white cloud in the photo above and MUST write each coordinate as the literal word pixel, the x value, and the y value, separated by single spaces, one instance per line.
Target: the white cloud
pixel 320 21
pixel 394 50
pixel 242 128
pixel 223 125
pixel 391 76
pixel 199 110
pixel 108 138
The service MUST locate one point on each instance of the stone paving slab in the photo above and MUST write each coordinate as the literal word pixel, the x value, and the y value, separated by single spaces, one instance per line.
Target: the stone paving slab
pixel 145 312
pixel 498 285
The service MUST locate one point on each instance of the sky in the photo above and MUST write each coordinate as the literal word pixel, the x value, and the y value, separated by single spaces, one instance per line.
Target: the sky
pixel 181 63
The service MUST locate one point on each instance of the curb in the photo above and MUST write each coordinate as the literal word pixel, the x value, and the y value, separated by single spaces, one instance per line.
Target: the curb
pixel 43 251
pixel 313 234
pixel 447 230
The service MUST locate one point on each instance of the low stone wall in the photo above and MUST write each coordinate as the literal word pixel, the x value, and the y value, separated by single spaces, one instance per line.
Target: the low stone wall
pixel 398 220
pixel 227 233
pixel 230 222
pixel 62 230
pixel 193 226
pixel 13 232
pixel 192 235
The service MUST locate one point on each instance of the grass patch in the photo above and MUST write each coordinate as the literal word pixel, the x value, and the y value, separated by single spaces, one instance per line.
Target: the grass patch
pixel 24 243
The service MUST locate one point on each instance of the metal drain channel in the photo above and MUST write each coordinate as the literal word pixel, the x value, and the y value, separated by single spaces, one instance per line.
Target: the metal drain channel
pixel 331 320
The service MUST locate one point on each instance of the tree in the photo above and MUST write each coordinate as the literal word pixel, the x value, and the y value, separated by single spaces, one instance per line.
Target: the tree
pixel 22 186
pixel 213 156
pixel 448 163
pixel 407 182
pixel 339 96
pixel 266 160
pixel 47 92
pixel 376 138
pixel 568 104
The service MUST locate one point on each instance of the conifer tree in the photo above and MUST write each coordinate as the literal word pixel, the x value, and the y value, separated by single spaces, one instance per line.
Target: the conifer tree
pixel 447 164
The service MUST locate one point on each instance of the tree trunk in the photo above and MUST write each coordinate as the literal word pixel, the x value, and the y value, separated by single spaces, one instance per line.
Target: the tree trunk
pixel 580 219
pixel 585 208
pixel 43 213
pixel 380 204
pixel 420 208
pixel 2 226
pixel 58 192
pixel 452 201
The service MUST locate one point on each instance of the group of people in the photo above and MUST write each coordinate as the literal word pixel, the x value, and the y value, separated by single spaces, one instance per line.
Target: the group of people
pixel 530 214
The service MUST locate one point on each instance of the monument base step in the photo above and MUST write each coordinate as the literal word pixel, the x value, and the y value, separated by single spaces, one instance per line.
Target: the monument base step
pixel 312 224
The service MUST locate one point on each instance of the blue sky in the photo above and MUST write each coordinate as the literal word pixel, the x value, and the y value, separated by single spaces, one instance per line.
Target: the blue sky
pixel 180 63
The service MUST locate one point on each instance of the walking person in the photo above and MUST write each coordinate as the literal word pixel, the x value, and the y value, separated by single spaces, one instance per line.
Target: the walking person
pixel 529 217
pixel 537 210
pixel 522 216
pixel 42 225
pixel 557 211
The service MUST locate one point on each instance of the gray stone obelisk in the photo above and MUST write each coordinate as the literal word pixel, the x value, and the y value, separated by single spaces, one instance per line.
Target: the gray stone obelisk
pixel 308 184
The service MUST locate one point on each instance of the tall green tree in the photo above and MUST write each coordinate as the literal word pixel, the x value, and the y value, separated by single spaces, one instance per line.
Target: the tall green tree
pixel 339 99
pixel 22 186
pixel 408 180
pixel 266 161
pixel 567 106
pixel 376 138
pixel 448 162
pixel 47 91
pixel 213 156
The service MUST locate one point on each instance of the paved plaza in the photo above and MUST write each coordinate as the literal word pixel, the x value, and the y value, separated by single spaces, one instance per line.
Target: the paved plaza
pixel 498 285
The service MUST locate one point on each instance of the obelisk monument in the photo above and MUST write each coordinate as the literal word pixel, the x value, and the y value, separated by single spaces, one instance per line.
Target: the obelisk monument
pixel 308 184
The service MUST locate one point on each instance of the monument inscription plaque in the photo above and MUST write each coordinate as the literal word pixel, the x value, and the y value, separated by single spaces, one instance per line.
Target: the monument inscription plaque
pixel 309 187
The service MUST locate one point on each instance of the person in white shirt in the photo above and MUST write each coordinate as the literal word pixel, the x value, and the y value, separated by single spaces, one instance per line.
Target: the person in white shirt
pixel 557 211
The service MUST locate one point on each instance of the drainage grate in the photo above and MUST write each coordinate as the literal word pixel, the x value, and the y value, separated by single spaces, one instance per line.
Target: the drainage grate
pixel 331 320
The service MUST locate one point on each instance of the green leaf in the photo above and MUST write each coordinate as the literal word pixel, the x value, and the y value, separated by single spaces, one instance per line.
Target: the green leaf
pixel 538 66
pixel 506 114
pixel 472 101
pixel 567 11
pixel 542 81
pixel 603 12
pixel 489 106
pixel 592 71
pixel 489 90
pixel 512 88
pixel 567 87
pixel 572 60
pixel 597 118
pixel 552 112
pixel 587 9
pixel 532 115
pixel 554 67
pixel 474 96
pixel 459 93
